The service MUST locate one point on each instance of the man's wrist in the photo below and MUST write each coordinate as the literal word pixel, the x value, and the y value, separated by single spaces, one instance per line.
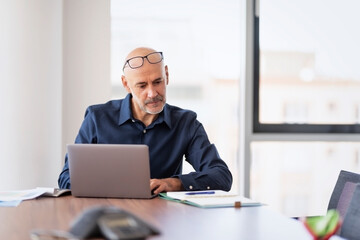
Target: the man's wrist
pixel 176 184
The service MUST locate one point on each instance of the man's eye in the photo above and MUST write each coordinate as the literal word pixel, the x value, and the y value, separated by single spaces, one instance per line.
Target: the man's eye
pixel 141 86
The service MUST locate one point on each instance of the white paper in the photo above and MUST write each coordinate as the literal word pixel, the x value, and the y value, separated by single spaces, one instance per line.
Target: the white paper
pixel 214 198
pixel 200 194
pixel 21 194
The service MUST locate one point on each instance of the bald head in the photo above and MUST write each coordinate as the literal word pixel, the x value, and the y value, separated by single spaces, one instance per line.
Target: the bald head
pixel 142 56
pixel 140 51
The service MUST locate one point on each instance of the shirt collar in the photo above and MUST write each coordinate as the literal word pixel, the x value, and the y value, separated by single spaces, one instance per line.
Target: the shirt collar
pixel 126 114
pixel 125 110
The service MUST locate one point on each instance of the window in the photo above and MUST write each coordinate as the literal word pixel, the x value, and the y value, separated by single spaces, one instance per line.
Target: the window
pixel 306 80
pixel 200 41
pixel 307 77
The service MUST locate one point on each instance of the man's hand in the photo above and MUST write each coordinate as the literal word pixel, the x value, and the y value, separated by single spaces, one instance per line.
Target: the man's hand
pixel 165 185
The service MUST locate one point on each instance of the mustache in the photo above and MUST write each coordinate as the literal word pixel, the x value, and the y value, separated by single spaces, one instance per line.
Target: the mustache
pixel 155 99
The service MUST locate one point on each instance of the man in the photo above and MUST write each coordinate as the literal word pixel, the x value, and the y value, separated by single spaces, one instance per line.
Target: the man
pixel 144 117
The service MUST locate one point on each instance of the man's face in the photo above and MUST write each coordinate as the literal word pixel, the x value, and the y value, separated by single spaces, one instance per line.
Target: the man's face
pixel 147 85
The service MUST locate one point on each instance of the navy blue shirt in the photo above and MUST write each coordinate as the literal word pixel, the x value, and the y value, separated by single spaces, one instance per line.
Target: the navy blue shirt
pixel 174 134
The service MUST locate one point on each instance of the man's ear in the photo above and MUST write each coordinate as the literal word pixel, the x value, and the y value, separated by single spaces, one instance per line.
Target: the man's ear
pixel 125 83
pixel 167 74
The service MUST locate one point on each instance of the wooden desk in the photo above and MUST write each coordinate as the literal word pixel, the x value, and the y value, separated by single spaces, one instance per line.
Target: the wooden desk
pixel 174 220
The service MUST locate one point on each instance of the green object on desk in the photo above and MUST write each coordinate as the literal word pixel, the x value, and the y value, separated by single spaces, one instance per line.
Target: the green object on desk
pixel 323 227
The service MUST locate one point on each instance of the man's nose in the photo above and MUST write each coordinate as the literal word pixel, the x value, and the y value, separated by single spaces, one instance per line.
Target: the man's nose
pixel 152 92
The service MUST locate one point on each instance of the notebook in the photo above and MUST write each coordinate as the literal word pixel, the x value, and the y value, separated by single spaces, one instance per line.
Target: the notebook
pixel 109 170
pixel 210 199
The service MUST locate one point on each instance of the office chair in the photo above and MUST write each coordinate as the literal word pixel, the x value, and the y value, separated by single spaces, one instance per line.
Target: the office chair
pixel 351 225
pixel 343 192
pixel 345 199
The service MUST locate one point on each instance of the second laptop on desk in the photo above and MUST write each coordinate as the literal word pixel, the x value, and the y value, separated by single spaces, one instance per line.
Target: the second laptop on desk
pixel 109 170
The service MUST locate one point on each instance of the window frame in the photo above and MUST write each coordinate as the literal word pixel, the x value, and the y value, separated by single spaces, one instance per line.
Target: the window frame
pixel 259 127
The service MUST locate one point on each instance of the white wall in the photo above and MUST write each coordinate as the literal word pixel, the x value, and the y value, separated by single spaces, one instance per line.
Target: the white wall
pixel 30 92
pixel 86 61
pixel 42 93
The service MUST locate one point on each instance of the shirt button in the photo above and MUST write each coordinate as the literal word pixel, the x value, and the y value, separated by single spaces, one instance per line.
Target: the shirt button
pixel 144 131
pixel 132 120
pixel 191 187
pixel 208 187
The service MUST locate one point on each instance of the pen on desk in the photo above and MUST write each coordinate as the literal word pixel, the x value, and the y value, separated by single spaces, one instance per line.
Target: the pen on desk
pixel 197 193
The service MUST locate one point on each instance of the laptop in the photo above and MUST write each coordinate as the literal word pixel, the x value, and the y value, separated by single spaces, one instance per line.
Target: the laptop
pixel 109 170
